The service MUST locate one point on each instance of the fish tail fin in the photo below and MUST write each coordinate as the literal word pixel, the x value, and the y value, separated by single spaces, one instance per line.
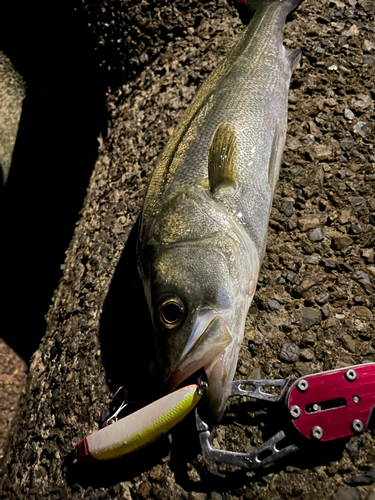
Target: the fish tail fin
pixel 284 8
pixel 253 5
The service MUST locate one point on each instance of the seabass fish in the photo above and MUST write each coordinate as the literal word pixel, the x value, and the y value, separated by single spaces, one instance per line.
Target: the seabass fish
pixel 205 217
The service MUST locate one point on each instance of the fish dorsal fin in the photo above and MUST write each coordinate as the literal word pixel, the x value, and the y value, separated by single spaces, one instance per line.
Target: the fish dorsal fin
pixel 294 57
pixel 276 156
pixel 222 160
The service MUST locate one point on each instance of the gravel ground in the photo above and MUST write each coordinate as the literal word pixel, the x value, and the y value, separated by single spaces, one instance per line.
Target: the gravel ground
pixel 12 382
pixel 313 309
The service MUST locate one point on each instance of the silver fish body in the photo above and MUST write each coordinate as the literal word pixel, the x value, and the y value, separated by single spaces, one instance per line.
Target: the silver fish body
pixel 205 217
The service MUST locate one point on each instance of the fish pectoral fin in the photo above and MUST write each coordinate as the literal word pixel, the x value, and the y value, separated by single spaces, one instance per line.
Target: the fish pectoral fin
pixel 276 156
pixel 222 160
pixel 294 57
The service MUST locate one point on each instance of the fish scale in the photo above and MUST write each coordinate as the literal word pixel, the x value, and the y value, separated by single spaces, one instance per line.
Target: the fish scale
pixel 215 180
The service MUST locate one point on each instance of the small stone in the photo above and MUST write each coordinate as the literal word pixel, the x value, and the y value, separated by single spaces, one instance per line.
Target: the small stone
pixel 216 496
pixel 267 368
pixel 249 431
pixel 156 472
pixel 293 336
pixel 326 311
pixel 342 173
pixel 344 216
pixel 341 242
pixel 307 354
pixel 244 367
pixel 332 217
pixel 193 475
pixel 291 277
pixel 352 31
pixel 309 338
pixel 348 113
pixel 361 276
pixel 371 456
pixel 196 495
pixel 309 318
pixel 289 353
pixel 307 248
pixel 359 299
pixel 349 343
pixel 145 489
pixel 362 312
pixel 347 143
pixel 285 371
pixel 309 139
pixel 368 253
pixel 363 101
pixel 323 298
pixel 275 225
pixel 313 260
pixel 330 264
pixel 368 45
pixel 302 368
pixel 318 279
pixel 371 270
pixel 356 201
pixel 274 305
pixel 249 493
pixel 295 171
pixel 360 128
pixel 296 490
pixel 322 152
pixel 353 449
pixel 367 478
pixel 293 143
pixel 344 361
pixel 290 225
pixel 331 101
pixel 368 59
pixel 255 374
pixel 307 223
pixel 355 229
pixel 314 129
pixel 317 234
pixel 331 321
pixel 287 208
pixel 346 493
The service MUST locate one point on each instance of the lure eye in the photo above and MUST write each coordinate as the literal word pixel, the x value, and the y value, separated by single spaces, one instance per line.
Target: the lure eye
pixel 171 312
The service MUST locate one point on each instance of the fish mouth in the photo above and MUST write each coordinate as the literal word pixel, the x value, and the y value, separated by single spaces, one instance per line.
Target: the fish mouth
pixel 202 357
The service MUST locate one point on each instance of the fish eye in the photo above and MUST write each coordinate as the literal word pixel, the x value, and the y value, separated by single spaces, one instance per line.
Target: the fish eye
pixel 171 312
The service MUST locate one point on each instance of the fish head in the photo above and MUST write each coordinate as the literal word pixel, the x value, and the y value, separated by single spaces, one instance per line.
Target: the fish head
pixel 197 292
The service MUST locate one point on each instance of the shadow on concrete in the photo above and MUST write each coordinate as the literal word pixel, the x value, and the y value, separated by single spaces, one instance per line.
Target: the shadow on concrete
pixel 127 350
pixel 126 336
pixel 63 114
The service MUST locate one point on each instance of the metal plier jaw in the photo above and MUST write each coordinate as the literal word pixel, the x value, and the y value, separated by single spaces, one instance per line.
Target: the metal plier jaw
pixel 321 407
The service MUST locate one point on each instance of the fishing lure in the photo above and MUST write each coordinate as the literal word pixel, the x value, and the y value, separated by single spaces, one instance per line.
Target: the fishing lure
pixel 141 427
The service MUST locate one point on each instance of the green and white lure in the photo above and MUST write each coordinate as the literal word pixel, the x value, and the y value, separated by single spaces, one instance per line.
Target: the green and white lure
pixel 141 427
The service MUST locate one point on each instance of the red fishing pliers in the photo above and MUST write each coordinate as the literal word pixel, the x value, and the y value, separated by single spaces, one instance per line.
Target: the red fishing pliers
pixel 321 407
